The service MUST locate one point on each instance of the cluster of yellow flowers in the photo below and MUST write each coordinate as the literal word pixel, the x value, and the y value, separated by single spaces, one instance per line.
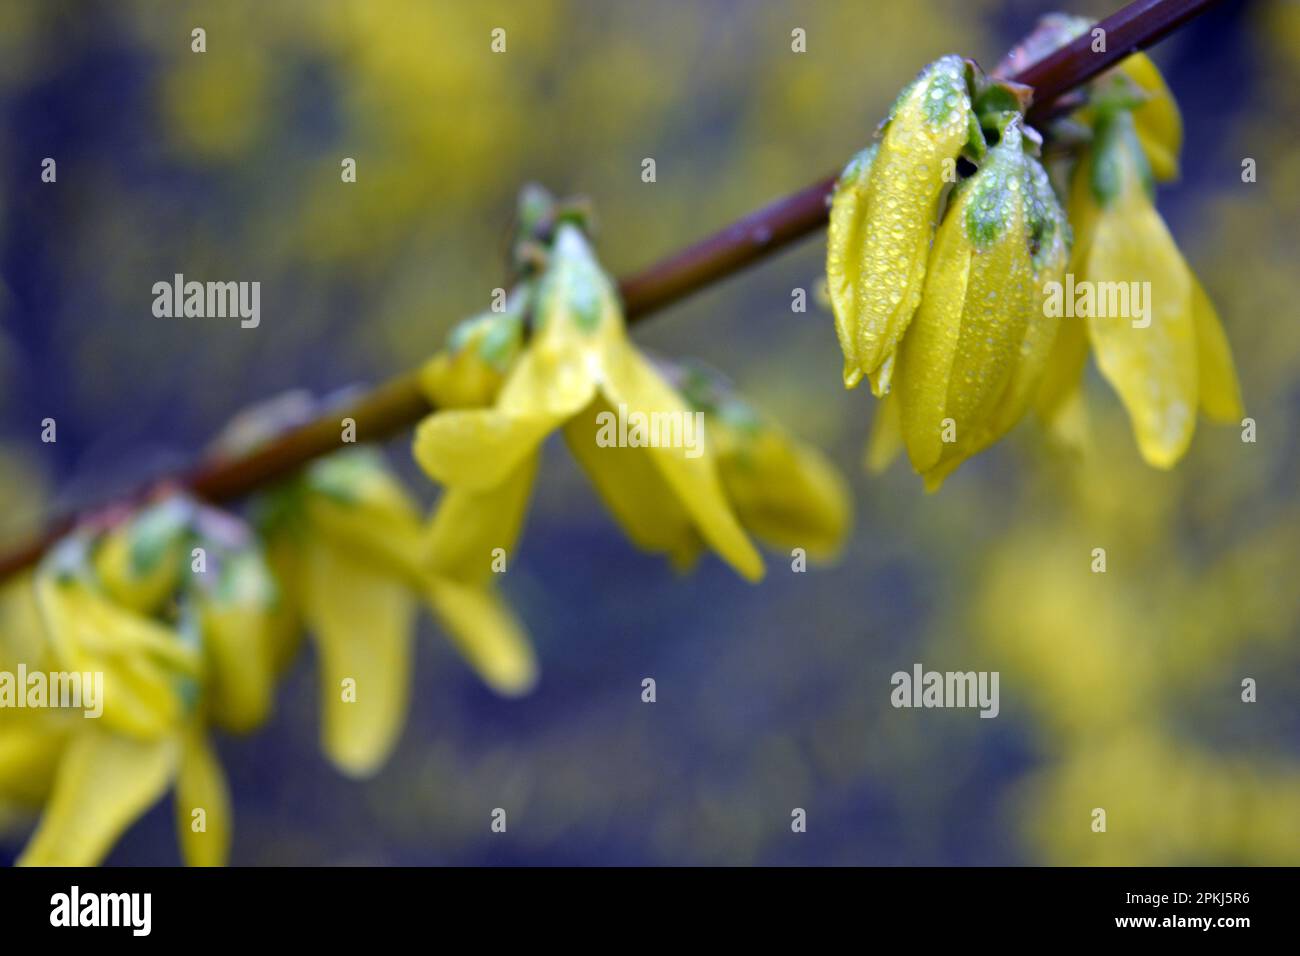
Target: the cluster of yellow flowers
pixel 959 326
pixel 499 396
pixel 191 615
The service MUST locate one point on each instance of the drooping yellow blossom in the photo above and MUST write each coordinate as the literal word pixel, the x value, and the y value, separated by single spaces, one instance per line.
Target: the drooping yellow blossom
pixel 347 541
pixel 142 659
pixel 958 392
pixel 577 373
pixel 1173 358
pixel 785 492
pixel 1176 357
pixel 883 216
pixel 979 342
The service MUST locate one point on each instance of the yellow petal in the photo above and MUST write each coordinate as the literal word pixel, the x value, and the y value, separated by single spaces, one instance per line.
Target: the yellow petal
pixel 283 554
pixel 201 786
pixel 22 633
pixel 468 526
pixel 785 492
pixel 479 449
pixel 999 297
pixel 1032 361
pixel 929 125
pixel 470 371
pixel 965 344
pixel 138 586
pixel 489 637
pixel 1050 233
pixel 577 322
pixel 936 476
pixel 459 381
pixel 633 382
pixel 886 439
pixel 241 683
pixel 30 748
pixel 882 378
pixel 1153 368
pixel 235 619
pixel 1158 124
pixel 925 358
pixel 631 486
pixel 364 509
pixel 104 783
pixel 1069 426
pixel 361 619
pixel 1062 379
pixel 1220 392
pixel 843 263
pixel 144 664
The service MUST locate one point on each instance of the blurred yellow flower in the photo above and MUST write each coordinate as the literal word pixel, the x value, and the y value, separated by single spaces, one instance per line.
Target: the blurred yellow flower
pixel 346 543
pixel 577 370
pixel 105 772
pixel 785 492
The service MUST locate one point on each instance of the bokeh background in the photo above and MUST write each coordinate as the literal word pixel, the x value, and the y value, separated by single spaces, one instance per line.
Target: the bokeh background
pixel 1119 690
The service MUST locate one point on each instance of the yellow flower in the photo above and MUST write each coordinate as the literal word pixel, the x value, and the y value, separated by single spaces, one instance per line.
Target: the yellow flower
pixel 347 545
pixel 144 661
pixel 1174 358
pixel 577 368
pixel 785 492
pixel 882 218
pixel 177 559
pixel 97 775
pixel 979 343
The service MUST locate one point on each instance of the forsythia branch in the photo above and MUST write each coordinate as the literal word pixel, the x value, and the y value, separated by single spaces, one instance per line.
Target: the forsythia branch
pixel 398 403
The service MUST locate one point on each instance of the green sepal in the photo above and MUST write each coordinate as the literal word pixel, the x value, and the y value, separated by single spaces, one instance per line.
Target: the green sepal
pixel 157 529
pixel 338 476
pixel 1115 142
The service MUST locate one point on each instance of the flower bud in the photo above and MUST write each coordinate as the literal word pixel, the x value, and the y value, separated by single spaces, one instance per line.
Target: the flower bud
pixel 470 370
pixel 883 227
